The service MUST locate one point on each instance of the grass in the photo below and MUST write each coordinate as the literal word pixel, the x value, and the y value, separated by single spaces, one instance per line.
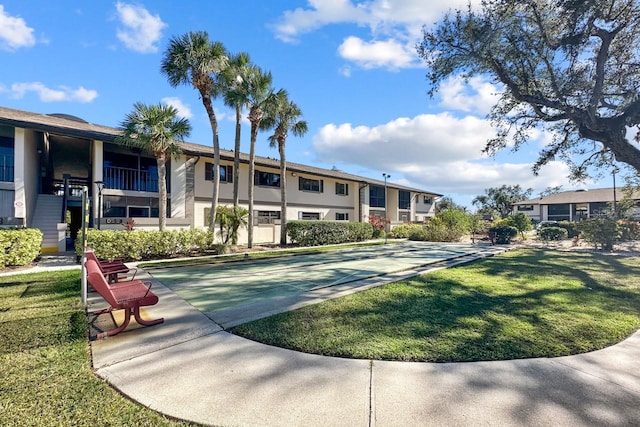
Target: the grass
pixel 524 303
pixel 45 362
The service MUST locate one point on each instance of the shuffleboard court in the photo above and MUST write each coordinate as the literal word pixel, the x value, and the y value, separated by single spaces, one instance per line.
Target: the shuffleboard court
pixel 242 286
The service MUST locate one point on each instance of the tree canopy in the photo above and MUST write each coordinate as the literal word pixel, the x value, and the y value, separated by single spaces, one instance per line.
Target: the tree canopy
pixel 501 199
pixel 571 67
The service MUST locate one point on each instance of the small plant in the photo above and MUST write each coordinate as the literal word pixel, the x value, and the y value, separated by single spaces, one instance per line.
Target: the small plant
pixel 128 226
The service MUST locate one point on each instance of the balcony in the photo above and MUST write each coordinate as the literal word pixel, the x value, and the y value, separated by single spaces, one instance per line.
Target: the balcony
pixel 129 179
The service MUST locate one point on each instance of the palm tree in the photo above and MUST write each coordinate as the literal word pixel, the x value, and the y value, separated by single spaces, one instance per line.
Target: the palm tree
pixel 157 129
pixel 192 59
pixel 259 96
pixel 283 118
pixel 235 95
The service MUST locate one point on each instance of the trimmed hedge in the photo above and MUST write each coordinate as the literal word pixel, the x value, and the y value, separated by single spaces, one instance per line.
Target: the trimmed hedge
pixel 553 233
pixel 318 233
pixel 504 233
pixel 19 246
pixel 404 231
pixel 140 245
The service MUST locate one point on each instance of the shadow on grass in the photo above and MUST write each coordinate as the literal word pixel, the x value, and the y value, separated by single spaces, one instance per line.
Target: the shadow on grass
pixel 534 303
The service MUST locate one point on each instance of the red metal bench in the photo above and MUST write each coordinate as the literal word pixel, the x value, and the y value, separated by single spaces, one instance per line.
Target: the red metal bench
pixel 114 271
pixel 128 296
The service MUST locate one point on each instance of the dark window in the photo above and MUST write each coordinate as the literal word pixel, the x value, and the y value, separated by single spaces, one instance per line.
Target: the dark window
pixel 376 196
pixel 138 212
pixel 226 172
pixel 132 172
pixel 315 185
pixel 404 199
pixel 427 200
pixel 598 209
pixel 267 179
pixel 558 212
pixel 342 216
pixel 309 216
pixel 342 188
pixel 525 208
pixel 6 159
pixel 267 217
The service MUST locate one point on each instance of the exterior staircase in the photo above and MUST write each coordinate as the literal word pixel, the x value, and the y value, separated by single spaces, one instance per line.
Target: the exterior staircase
pixel 46 218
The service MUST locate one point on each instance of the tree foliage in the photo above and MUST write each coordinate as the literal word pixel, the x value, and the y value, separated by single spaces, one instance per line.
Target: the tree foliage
pixel 447 203
pixel 501 199
pixel 156 129
pixel 571 67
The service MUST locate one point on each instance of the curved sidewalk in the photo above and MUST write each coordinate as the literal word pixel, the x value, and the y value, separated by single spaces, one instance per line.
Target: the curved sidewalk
pixel 191 369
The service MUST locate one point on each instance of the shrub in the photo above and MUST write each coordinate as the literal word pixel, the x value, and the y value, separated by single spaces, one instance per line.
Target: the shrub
pixel 403 231
pixel 628 230
pixel 359 231
pixel 317 233
pixel 572 230
pixel 418 234
pixel 140 245
pixel 520 221
pixel 553 233
pixel 504 233
pixel 19 246
pixel 601 232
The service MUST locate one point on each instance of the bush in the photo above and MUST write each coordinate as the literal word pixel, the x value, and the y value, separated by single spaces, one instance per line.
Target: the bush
pixel 520 221
pixel 140 245
pixel 628 230
pixel 317 233
pixel 447 226
pixel 572 230
pixel 553 233
pixel 504 233
pixel 403 231
pixel 419 234
pixel 601 232
pixel 19 246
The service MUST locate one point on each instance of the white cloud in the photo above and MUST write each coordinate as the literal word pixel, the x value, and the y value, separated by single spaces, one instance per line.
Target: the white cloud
pixel 476 96
pixel 398 22
pixel 14 32
pixel 140 30
pixel 378 54
pixel 183 109
pixel 437 152
pixel 63 93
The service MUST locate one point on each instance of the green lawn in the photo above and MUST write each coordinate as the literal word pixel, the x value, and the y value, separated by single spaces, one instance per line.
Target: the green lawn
pixel 524 303
pixel 46 376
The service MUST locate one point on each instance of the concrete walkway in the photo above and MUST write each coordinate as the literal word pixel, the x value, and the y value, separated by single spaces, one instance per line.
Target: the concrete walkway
pixel 190 368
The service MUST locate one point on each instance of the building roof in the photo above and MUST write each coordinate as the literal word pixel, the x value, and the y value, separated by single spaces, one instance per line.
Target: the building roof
pixel 73 126
pixel 581 196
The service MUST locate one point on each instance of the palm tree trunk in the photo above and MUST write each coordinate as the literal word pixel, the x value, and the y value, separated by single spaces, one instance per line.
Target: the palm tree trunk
pixel 206 101
pixel 162 191
pixel 283 195
pixel 252 156
pixel 236 159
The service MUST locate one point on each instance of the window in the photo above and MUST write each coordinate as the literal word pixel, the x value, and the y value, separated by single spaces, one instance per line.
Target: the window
pixel 522 208
pixel 342 188
pixel 559 212
pixel 6 159
pixel 267 179
pixel 376 196
pixel 226 172
pixel 342 216
pixel 427 200
pixel 404 199
pixel 315 185
pixel 309 216
pixel 138 211
pixel 266 217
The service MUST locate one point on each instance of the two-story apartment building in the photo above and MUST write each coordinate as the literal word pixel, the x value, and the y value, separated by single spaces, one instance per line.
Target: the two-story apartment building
pixel 46 160
pixel 573 205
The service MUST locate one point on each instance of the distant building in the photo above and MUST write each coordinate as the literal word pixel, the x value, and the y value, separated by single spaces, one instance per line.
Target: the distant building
pixel 45 160
pixel 573 205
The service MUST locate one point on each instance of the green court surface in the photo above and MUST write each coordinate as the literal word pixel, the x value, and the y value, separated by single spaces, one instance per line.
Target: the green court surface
pixel 219 287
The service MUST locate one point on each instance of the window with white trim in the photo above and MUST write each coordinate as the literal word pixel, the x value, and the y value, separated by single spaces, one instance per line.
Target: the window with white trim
pixel 309 216
pixel 342 216
pixel 266 217
pixel 342 188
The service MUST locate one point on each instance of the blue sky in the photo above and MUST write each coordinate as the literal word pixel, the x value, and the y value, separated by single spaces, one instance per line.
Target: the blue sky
pixel 351 67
